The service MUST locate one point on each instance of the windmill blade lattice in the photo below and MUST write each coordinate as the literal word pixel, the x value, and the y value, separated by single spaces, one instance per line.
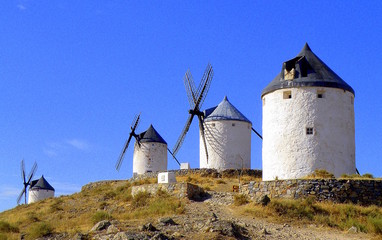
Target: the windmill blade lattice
pixel 190 88
pixel 196 99
pixel 180 140
pixel 133 126
pixel 26 183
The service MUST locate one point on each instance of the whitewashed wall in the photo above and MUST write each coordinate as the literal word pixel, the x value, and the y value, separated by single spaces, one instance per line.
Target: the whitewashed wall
pixel 229 147
pixel 151 156
pixel 288 152
pixel 35 195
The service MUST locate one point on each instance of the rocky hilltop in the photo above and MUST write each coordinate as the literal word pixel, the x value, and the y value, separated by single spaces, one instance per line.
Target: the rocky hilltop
pixel 109 210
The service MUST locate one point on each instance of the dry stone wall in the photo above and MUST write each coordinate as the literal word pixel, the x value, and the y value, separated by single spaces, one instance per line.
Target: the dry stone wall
pixel 204 172
pixel 180 190
pixel 364 192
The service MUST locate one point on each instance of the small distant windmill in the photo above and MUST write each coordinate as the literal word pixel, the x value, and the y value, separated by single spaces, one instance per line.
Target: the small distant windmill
pixel 26 182
pixel 196 98
pixel 143 157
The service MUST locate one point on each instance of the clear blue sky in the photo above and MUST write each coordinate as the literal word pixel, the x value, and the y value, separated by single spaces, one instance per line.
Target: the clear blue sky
pixel 74 73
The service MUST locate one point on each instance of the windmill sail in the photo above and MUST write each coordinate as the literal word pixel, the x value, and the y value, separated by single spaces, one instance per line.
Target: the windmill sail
pixel 196 98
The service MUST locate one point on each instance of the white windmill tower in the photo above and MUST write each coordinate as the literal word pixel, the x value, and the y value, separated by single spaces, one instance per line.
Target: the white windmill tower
pixel 228 138
pixel 39 190
pixel 308 120
pixel 150 150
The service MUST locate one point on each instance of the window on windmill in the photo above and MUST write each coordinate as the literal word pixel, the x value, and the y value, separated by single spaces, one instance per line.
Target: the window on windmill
pixel 309 131
pixel 320 94
pixel 287 95
pixel 289 75
pixel 213 124
pixel 289 69
pixel 233 124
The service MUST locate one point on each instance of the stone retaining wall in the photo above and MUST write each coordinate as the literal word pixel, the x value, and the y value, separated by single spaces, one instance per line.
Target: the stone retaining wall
pixel 364 192
pixel 180 190
pixel 204 172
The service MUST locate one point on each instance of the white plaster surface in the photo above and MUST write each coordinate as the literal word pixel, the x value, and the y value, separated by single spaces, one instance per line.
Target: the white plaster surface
pixel 166 177
pixel 185 165
pixel 35 195
pixel 228 146
pixel 288 152
pixel 151 156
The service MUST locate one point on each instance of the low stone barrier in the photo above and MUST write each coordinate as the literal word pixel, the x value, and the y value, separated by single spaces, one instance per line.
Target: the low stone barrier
pixel 364 192
pixel 204 172
pixel 180 190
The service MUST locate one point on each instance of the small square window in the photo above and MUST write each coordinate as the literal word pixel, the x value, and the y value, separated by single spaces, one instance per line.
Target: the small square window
pixel 213 124
pixel 320 94
pixel 309 131
pixel 287 95
pixel 233 124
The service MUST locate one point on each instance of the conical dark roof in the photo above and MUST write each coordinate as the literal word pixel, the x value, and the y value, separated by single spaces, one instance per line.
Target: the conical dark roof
pixel 151 135
pixel 41 184
pixel 224 111
pixel 308 71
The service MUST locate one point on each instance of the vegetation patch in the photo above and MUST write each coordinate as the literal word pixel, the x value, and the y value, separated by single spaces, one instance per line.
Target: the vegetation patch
pixel 140 199
pixel 320 174
pixel 145 205
pixel 240 199
pixel 6 227
pixel 100 215
pixel 340 216
pixel 3 236
pixel 40 229
pixel 365 176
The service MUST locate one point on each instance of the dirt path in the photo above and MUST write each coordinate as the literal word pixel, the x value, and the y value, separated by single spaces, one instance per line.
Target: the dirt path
pixel 200 216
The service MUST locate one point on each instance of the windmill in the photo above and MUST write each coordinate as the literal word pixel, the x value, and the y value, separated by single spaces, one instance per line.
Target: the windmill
pixel 196 98
pixel 25 182
pixel 142 151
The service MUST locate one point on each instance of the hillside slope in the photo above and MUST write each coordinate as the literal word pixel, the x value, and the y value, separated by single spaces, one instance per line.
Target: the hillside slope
pixel 220 215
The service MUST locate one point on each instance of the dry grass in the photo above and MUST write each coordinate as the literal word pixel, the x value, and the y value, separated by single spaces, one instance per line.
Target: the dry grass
pixel 79 212
pixel 214 183
pixel 240 199
pixel 340 216
pixel 320 174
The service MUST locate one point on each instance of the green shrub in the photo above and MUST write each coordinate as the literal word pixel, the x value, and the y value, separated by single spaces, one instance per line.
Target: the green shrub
pixel 352 176
pixel 110 195
pixel 123 189
pixel 158 206
pixel 100 215
pixel 376 224
pixel 220 181
pixel 141 199
pixel 321 173
pixel 6 227
pixel 3 237
pixel 300 209
pixel 162 193
pixel 368 175
pixel 40 229
pixel 56 205
pixel 240 199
